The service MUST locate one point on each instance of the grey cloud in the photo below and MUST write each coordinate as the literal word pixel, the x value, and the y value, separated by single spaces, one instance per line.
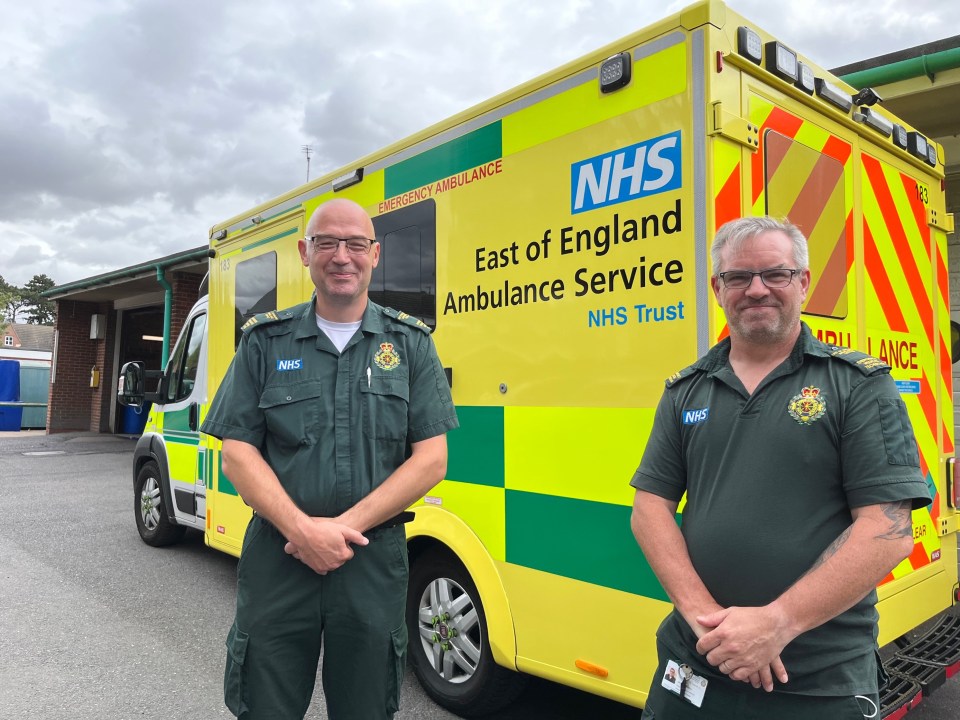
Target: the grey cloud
pixel 132 127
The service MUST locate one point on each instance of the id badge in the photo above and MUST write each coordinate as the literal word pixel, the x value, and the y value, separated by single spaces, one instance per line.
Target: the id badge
pixel 682 682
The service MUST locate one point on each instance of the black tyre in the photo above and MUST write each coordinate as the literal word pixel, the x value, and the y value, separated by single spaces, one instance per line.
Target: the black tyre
pixel 153 524
pixel 449 648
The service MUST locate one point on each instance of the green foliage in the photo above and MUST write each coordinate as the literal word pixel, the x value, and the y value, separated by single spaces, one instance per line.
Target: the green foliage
pixel 41 311
pixel 26 303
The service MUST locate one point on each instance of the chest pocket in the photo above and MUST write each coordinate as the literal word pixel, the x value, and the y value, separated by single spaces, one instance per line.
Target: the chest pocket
pixel 385 402
pixel 293 412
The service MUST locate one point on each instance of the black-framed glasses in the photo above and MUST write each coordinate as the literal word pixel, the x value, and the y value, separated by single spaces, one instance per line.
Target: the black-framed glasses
pixel 330 243
pixel 772 278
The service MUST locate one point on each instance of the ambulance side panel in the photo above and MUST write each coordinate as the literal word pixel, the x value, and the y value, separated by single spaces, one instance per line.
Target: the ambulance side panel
pixel 255 271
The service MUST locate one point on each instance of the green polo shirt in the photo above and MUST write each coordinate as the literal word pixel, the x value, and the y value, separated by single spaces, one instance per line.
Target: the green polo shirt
pixel 333 426
pixel 770 480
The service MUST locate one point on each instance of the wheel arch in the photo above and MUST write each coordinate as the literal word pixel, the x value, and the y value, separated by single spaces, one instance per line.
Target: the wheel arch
pixel 150 447
pixel 435 527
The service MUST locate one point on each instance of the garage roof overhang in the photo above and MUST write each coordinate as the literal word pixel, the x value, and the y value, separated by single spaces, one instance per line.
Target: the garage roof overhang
pixel 134 280
pixel 921 85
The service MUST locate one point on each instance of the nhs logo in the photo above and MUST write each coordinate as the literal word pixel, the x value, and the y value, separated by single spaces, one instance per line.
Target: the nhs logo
pixel 695 417
pixel 289 364
pixel 647 168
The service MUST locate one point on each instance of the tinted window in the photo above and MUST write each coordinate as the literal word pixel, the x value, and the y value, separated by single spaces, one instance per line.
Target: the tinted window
pixel 256 289
pixel 406 277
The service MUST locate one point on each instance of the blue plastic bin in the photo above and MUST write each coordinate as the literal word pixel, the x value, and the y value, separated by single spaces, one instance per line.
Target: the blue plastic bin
pixel 133 420
pixel 10 417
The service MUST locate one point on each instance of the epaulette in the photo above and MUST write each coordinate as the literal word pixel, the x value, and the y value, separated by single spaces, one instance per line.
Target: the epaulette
pixel 867 364
pixel 680 374
pixel 266 319
pixel 406 318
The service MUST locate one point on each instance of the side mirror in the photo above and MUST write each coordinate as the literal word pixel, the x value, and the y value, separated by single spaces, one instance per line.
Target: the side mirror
pixel 954 341
pixel 131 386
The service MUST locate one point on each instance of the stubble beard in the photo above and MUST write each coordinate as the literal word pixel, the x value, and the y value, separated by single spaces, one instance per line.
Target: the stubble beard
pixel 768 333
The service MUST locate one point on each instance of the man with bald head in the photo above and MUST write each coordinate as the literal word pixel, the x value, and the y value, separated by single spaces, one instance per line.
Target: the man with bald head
pixel 333 417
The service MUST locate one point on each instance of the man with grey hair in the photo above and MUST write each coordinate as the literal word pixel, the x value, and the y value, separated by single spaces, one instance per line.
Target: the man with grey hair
pixel 800 471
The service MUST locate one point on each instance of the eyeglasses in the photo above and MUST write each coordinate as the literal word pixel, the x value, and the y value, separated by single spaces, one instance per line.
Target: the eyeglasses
pixel 329 244
pixel 772 278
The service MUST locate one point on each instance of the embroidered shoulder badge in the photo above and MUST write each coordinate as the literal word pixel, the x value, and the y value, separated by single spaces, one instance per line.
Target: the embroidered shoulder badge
pixel 808 406
pixel 386 358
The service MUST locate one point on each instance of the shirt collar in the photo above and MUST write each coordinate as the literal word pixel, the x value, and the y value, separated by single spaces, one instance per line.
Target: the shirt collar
pixel 371 322
pixel 718 357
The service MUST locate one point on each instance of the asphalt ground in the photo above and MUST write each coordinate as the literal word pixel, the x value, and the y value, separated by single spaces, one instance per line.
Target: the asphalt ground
pixel 94 624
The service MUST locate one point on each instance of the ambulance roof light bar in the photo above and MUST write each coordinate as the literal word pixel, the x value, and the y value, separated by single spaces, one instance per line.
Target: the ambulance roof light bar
pixel 782 61
pixel 875 120
pixel 917 145
pixel 931 154
pixel 834 95
pixel 615 72
pixel 900 136
pixel 350 178
pixel 749 44
pixel 805 78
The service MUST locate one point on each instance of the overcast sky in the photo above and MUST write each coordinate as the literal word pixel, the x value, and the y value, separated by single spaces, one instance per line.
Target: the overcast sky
pixel 129 127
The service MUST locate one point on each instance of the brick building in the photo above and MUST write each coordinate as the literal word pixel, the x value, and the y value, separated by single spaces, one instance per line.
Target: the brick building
pixel 27 344
pixel 107 320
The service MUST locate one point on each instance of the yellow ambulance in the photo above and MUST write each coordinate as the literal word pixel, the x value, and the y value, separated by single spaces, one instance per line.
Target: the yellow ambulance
pixel 555 238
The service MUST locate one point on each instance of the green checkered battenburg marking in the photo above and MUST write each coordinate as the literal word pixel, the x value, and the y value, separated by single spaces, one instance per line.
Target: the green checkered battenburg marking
pixel 224 485
pixel 468 151
pixel 579 539
pixel 475 449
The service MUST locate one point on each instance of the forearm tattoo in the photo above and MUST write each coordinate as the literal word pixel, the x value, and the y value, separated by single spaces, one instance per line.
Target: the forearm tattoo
pixel 901 525
pixel 832 549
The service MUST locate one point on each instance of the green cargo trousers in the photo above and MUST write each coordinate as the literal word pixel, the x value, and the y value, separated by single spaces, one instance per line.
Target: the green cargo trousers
pixel 728 699
pixel 285 611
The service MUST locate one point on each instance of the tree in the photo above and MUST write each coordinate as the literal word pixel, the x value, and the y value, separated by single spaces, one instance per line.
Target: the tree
pixel 11 301
pixel 41 310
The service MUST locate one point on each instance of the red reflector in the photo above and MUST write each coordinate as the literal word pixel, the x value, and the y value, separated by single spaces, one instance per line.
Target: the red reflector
pixel 953 669
pixel 953 492
pixel 905 708
pixel 720 69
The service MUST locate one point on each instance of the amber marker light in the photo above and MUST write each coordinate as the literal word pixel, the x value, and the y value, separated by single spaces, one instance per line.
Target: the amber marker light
pixel 592 668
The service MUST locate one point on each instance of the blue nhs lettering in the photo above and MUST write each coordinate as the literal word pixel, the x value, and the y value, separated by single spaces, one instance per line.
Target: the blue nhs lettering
pixel 647 168
pixel 695 417
pixel 289 364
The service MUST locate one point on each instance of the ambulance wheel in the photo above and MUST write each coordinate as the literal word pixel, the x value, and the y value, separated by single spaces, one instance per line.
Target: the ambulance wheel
pixel 153 524
pixel 449 647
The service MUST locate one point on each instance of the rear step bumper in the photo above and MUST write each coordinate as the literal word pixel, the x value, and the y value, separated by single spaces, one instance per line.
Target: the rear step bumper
pixel 918 669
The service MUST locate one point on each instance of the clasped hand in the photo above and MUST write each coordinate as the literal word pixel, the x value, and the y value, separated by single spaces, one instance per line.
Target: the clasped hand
pixel 745 643
pixel 325 544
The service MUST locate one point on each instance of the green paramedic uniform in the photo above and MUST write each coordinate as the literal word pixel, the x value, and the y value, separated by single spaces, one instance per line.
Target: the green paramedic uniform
pixel 770 479
pixel 333 426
